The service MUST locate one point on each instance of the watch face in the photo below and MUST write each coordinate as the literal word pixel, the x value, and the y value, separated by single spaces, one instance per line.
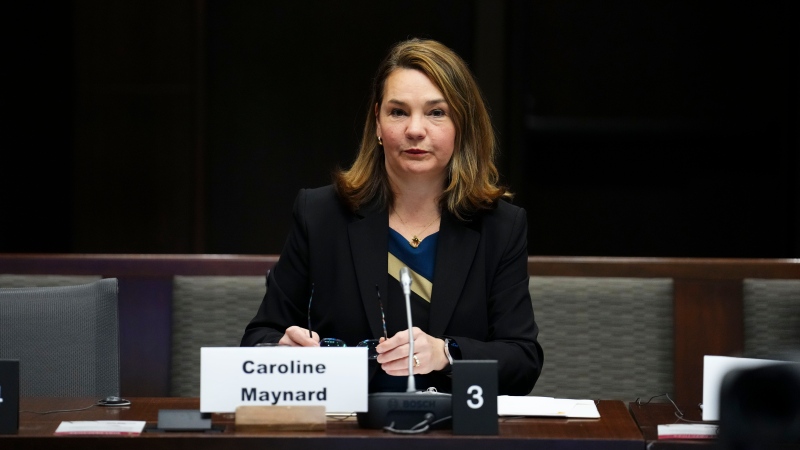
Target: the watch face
pixel 452 350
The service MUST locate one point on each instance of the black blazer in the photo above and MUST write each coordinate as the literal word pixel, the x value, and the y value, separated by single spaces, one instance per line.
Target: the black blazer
pixel 480 292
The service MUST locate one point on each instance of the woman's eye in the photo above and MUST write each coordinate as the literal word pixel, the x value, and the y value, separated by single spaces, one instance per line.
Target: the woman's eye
pixel 397 112
pixel 438 113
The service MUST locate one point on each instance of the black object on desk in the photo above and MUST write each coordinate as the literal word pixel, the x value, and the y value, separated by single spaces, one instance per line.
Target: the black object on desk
pixel 475 397
pixel 405 410
pixel 183 420
pixel 9 396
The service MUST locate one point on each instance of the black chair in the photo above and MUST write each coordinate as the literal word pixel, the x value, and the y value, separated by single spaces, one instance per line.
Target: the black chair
pixel 65 337
pixel 760 408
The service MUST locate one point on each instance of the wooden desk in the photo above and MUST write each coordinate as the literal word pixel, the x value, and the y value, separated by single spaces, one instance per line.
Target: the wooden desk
pixel 614 430
pixel 649 416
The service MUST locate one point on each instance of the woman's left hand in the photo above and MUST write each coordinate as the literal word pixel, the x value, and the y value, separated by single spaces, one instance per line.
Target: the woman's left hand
pixel 429 352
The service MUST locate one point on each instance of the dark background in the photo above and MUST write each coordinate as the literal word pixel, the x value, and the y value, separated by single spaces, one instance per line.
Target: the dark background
pixel 628 128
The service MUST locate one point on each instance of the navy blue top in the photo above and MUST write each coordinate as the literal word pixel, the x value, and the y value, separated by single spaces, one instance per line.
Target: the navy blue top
pixel 420 259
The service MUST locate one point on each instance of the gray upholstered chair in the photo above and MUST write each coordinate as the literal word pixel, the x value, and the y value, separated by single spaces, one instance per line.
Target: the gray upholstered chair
pixel 771 318
pixel 65 337
pixel 44 280
pixel 208 311
pixel 604 338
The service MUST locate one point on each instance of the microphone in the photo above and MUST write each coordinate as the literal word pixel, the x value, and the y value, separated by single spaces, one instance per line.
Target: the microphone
pixel 410 410
pixel 405 281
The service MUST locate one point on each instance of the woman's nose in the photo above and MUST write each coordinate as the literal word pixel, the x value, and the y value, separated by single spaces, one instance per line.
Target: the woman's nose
pixel 416 127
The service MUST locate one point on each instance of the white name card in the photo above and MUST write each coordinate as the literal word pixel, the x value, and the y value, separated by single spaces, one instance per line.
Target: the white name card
pixel 329 376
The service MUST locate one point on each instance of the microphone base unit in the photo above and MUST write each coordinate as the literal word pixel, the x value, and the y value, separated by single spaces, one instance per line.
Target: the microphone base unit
pixel 406 409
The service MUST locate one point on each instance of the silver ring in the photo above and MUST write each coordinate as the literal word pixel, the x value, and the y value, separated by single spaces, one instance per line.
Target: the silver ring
pixel 416 361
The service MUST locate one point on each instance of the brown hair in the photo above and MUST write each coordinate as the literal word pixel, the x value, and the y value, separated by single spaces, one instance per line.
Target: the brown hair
pixel 472 181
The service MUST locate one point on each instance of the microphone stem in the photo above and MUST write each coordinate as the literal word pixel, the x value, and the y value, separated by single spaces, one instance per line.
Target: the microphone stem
pixel 411 385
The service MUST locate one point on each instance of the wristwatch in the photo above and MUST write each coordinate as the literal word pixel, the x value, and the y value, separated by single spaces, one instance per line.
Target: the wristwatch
pixel 451 350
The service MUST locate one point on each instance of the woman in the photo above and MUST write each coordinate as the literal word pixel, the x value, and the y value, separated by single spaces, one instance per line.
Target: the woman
pixel 423 193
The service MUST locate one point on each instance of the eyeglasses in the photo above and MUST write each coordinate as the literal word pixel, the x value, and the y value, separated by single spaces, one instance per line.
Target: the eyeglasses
pixel 370 344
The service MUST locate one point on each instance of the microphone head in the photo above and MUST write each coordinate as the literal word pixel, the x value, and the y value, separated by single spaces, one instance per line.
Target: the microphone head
pixel 405 280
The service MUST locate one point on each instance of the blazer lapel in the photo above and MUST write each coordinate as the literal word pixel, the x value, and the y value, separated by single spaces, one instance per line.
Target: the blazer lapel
pixel 369 243
pixel 454 255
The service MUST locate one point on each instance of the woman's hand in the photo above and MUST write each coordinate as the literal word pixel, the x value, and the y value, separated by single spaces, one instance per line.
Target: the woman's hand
pixel 429 352
pixel 298 337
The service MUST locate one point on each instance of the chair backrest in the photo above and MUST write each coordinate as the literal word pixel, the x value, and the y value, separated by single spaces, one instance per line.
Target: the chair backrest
pixel 65 337
pixel 771 318
pixel 208 311
pixel 604 337
pixel 759 408
pixel 40 280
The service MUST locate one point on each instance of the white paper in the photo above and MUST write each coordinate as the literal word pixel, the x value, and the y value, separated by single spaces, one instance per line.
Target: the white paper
pixel 509 405
pixel 113 427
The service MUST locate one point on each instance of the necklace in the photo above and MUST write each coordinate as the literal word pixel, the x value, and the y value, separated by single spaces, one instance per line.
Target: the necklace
pixel 415 241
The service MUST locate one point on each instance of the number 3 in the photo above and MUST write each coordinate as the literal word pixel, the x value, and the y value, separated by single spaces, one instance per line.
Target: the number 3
pixel 477 396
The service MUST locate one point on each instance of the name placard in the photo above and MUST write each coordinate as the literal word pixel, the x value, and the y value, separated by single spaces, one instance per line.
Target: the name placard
pixel 236 376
